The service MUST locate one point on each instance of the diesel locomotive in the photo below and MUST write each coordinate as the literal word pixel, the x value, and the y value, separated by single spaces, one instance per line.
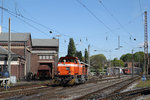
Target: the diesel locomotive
pixel 71 71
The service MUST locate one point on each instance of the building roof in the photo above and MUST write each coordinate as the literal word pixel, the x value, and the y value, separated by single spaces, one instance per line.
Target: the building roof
pixel 15 37
pixel 4 54
pixel 45 42
pixel 3 51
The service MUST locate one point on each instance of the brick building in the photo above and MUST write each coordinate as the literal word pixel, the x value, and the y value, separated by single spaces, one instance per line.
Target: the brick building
pixel 44 55
pixel 38 54
pixel 129 64
pixel 20 43
pixel 17 63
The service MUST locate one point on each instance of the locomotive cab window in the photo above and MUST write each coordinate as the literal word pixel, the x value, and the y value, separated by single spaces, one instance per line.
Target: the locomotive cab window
pixel 66 60
pixel 76 61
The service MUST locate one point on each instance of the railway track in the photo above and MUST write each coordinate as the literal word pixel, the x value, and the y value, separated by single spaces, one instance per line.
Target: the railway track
pixel 44 92
pixel 128 95
pixel 2 89
pixel 109 89
pixel 24 91
pixel 24 85
pixel 77 91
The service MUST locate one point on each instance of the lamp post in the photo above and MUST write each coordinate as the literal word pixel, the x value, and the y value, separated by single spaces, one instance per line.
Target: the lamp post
pixel 89 59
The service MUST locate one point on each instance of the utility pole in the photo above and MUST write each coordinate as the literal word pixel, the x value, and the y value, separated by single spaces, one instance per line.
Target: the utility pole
pixel 118 41
pixel 9 49
pixel 145 45
pixel 89 59
pixel 2 17
pixel 132 65
pixel 118 44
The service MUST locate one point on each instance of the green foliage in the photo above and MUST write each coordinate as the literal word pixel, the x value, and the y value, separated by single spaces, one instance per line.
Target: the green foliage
pixel 79 55
pixel 136 57
pixel 83 59
pixel 127 57
pixel 86 56
pixel 71 48
pixel 117 63
pixel 98 62
pixel 139 57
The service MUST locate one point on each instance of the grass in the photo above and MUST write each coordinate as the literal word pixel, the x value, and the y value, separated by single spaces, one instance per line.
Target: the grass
pixel 143 84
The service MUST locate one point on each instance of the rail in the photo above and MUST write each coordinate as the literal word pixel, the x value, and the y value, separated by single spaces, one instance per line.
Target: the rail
pixel 108 90
pixel 128 94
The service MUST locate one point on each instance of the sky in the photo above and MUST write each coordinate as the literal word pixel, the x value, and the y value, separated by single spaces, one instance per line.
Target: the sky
pixel 97 23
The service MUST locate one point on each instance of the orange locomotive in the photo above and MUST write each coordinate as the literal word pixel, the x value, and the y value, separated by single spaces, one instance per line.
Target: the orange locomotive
pixel 71 71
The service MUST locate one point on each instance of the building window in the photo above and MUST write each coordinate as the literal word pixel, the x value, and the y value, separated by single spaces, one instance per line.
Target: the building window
pixel 50 57
pixel 45 57
pixel 40 57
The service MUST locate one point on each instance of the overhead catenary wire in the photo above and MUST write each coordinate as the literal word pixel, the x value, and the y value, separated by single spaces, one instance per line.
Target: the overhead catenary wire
pixel 129 22
pixel 25 20
pixel 11 29
pixel 140 5
pixel 19 16
pixel 100 1
pixel 44 26
pixel 93 15
pixel 141 11
pixel 13 14
pixel 100 21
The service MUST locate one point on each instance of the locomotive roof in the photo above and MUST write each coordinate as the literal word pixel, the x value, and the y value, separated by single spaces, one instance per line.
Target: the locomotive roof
pixel 69 57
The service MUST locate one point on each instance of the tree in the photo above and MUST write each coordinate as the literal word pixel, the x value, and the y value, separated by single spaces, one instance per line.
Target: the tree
pixel 136 57
pixel 79 55
pixel 117 63
pixel 98 62
pixel 139 57
pixel 71 48
pixel 86 56
pixel 127 57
